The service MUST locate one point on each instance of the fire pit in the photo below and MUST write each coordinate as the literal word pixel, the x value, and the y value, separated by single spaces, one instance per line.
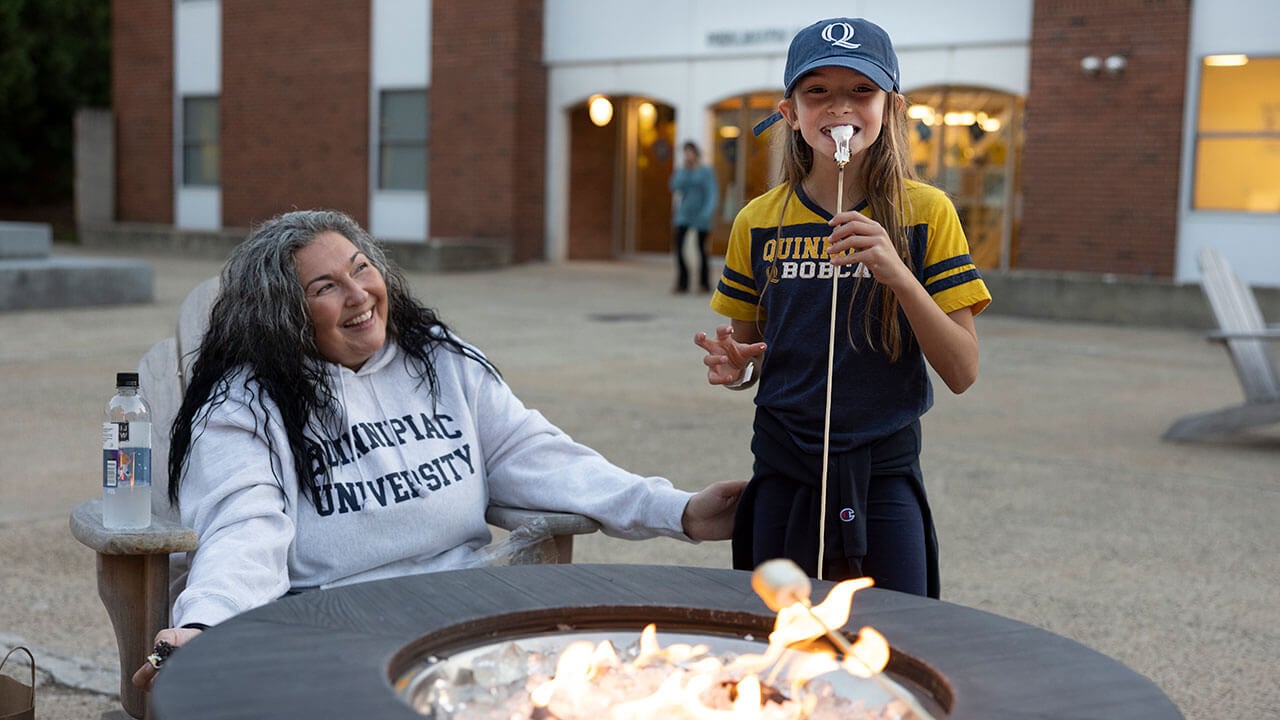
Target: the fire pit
pixel 807 670
pixel 339 653
pixel 506 679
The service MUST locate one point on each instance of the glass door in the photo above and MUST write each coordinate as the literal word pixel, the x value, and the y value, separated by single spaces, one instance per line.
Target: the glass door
pixel 967 141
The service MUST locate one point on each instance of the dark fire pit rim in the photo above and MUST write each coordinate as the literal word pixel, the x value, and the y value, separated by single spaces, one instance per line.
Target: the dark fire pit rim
pixel 327 653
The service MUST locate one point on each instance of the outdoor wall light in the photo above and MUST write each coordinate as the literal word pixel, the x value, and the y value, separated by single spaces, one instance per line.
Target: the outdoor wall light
pixel 1115 64
pixel 600 110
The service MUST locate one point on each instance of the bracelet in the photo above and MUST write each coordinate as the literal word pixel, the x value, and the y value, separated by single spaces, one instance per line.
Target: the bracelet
pixel 160 653
pixel 163 650
pixel 748 373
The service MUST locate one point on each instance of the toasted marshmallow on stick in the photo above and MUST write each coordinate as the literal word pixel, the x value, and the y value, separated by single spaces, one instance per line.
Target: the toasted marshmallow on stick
pixel 842 134
pixel 781 583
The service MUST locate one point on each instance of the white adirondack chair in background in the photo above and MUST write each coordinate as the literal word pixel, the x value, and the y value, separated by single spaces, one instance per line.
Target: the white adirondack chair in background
pixel 1248 340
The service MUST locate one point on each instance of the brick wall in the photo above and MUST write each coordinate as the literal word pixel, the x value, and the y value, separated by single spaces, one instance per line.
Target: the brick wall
pixel 1102 155
pixel 294 108
pixel 142 100
pixel 488 123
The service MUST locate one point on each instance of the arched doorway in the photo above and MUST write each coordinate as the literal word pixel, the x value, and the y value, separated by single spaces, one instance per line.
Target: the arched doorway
pixel 745 165
pixel 968 141
pixel 620 160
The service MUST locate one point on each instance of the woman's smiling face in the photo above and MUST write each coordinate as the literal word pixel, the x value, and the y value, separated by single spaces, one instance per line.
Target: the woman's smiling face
pixel 347 298
pixel 831 96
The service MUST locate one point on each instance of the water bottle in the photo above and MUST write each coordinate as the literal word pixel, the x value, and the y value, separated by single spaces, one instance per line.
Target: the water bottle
pixel 126 457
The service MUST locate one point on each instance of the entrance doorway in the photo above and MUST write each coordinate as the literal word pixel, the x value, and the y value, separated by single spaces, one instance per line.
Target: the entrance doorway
pixel 744 164
pixel 621 155
pixel 968 141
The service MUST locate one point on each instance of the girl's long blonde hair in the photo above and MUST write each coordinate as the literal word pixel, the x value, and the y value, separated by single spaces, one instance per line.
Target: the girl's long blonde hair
pixel 888 169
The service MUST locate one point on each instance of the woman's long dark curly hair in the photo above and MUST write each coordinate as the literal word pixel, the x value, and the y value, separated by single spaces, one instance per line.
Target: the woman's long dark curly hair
pixel 260 330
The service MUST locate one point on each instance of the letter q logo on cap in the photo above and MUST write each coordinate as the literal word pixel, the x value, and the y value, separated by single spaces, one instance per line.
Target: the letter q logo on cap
pixel 845 30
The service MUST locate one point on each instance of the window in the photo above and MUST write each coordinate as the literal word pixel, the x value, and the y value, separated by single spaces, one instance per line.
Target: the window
pixel 200 141
pixel 1238 135
pixel 402 140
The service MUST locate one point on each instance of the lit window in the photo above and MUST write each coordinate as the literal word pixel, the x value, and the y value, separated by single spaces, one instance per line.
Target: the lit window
pixel 200 141
pixel 1238 135
pixel 402 140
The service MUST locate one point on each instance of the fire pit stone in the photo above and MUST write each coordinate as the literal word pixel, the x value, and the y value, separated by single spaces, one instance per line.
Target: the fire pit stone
pixel 334 653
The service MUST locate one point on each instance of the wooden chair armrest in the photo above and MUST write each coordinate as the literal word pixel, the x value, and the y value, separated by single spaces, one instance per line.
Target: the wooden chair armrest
pixel 562 526
pixel 133 582
pixel 558 523
pixel 161 538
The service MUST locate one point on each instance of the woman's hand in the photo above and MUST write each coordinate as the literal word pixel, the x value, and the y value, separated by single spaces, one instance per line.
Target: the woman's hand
pixel 145 677
pixel 728 354
pixel 709 513
pixel 868 243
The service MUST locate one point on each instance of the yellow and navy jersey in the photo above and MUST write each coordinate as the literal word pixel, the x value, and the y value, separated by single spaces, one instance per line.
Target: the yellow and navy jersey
pixel 776 273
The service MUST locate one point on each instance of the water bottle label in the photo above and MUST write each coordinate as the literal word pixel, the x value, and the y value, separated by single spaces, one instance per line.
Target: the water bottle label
pixel 111 436
pixel 133 467
pixel 126 454
pixel 110 454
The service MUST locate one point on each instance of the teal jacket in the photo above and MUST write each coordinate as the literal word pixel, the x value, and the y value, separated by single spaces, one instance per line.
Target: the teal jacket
pixel 698 193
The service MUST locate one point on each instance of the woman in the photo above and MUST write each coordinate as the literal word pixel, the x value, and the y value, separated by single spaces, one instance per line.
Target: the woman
pixel 335 431
pixel 695 188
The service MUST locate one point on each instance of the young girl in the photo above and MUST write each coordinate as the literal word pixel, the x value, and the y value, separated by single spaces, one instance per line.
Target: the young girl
pixel 907 294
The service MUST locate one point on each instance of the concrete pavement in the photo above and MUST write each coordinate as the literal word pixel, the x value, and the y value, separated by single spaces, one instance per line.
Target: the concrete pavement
pixel 1056 502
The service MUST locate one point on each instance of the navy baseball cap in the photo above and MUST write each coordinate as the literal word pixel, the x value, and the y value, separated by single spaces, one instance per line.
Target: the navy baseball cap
pixel 853 43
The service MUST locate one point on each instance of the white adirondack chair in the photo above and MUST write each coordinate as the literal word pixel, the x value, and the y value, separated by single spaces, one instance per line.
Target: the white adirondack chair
pixel 1248 340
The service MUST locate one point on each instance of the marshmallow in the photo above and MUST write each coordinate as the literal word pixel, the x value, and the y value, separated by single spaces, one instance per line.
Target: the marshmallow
pixel 842 134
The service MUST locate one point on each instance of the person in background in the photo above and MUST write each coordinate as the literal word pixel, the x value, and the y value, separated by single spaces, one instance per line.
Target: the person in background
pixel 334 431
pixel 697 193
pixel 907 295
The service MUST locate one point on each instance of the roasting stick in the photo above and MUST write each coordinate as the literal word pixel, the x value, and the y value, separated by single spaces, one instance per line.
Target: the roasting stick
pixel 841 134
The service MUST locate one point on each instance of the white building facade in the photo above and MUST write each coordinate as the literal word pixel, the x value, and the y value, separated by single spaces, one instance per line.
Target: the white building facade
pixel 694 55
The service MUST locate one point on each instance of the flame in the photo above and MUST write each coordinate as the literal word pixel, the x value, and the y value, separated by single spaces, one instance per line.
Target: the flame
pixel 651 652
pixel 870 654
pixel 573 672
pixel 798 623
pixel 696 686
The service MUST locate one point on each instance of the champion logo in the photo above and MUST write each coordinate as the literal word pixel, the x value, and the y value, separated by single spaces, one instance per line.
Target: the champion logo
pixel 847 515
pixel 839 34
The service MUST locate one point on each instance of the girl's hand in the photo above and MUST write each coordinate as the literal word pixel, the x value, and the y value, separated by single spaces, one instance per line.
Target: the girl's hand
pixel 949 341
pixel 726 357
pixel 709 514
pixel 145 677
pixel 869 244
